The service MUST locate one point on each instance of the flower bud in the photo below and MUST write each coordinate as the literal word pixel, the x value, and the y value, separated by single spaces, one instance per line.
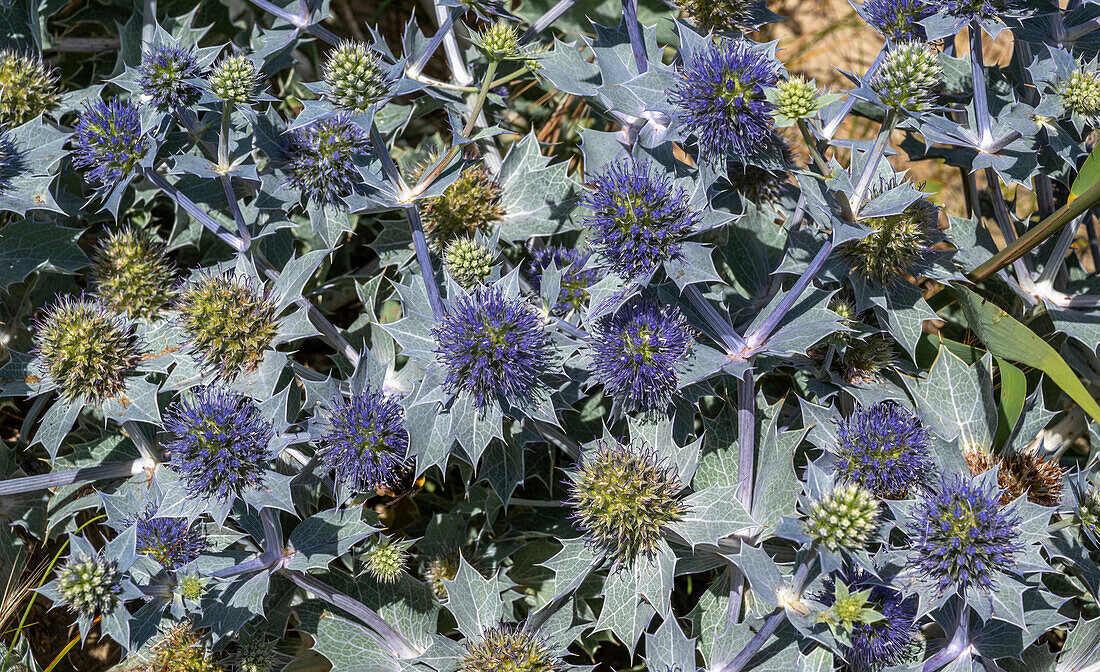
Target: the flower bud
pixel 355 77
pixel 896 242
pixel 511 648
pixel 498 42
pixel 1081 93
pixel 235 80
pixel 908 77
pixel 844 519
pixel 166 77
pixel 443 567
pixel 130 274
pixel 469 205
pixel 386 560
pixel 181 650
pixel 28 87
pixel 229 322
pixel 1089 511
pixel 469 262
pixel 90 584
pixel 256 654
pixel 796 98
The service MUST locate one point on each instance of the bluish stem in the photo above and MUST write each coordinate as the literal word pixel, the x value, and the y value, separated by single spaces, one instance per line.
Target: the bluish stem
pixel 842 114
pixel 417 66
pixel 544 21
pixel 148 23
pixel 302 22
pixel 191 208
pixel 451 49
pixel 15 486
pixel 1003 219
pixel 746 438
pixel 148 448
pixel 960 639
pixel 981 102
pixel 873 158
pixel 634 30
pixel 725 332
pixel 1058 253
pixel 765 329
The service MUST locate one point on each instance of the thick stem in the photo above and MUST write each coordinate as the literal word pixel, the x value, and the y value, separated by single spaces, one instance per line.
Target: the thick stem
pixel 301 21
pixel 544 21
pixel 148 23
pixel 873 158
pixel 146 446
pixel 417 66
pixel 833 124
pixel 634 30
pixel 451 48
pixel 981 102
pixel 757 338
pixel 960 639
pixel 722 328
pixel 104 472
pixel 191 208
pixel 385 633
pixel 1004 223
pixel 746 439
pixel 223 137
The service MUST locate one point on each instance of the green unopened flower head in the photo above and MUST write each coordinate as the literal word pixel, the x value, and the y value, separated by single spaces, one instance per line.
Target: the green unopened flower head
pixel 1089 511
pixel 722 15
pixel 229 321
pixel 795 98
pixel 468 261
pixel 1081 93
pixel 235 80
pixel 908 77
pixel 28 87
pixel 256 653
pixel 848 610
pixel 87 348
pixel 508 648
pixel 498 42
pixel 623 497
pixel 181 650
pixel 844 518
pixel 896 242
pixel 469 205
pixel 865 360
pixel 131 273
pixel 442 567
pixel 191 587
pixel 356 77
pixel 90 584
pixel 386 560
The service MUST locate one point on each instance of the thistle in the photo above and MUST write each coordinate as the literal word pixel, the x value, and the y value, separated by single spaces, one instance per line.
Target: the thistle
pixel 908 78
pixel 469 205
pixel 386 560
pixel 1081 93
pixel 355 77
pixel 87 349
pixel 961 536
pixel 324 155
pixel 108 143
pixel 721 97
pixel 219 442
pixel 795 99
pixel 623 497
pixel 1019 473
pixel 896 242
pixel 882 642
pixel 234 80
pixel 441 568
pixel 898 20
pixel 885 449
pixel 494 347
pixel 639 218
pixel 844 518
pixel 365 440
pixel 575 278
pixel 498 42
pixel 131 274
pixel 636 353
pixel 865 360
pixel 469 262
pixel 91 585
pixel 256 654
pixel 1088 512
pixel 167 76
pixel 28 87
pixel 722 15
pixel 181 650
pixel 170 541
pixel 511 648
pixel 229 322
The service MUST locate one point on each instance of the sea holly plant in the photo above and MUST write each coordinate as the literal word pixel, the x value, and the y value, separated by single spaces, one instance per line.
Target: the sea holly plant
pixel 535 339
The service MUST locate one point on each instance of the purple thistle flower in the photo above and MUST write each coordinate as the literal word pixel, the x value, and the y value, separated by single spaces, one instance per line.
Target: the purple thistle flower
pixel 639 217
pixel 884 448
pixel 636 351
pixel 978 10
pixel 108 142
pixel 323 163
pixel 962 537
pixel 166 75
pixel 365 440
pixel 493 346
pixel 220 442
pixel 169 541
pixel 885 643
pixel 721 97
pixel 897 20
pixel 575 278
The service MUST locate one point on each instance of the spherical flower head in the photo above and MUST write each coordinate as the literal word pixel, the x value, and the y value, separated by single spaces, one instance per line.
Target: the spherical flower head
pixel 28 87
pixel 219 442
pixel 885 642
pixel 469 205
pixel 469 262
pixel 86 348
pixel 908 77
pixel 365 440
pixel 166 75
pixel 844 518
pixel 234 80
pixel 865 360
pixel 181 650
pixel 1081 93
pixel 796 98
pixel 623 497
pixel 90 584
pixel 575 278
pixel 229 322
pixel 722 15
pixel 170 541
pixel 977 10
pixel 899 20
pixel 494 347
pixel 192 587
pixel 108 143
pixel 636 353
pixel 131 274
pixel 1089 511
pixel 512 649
pixel 885 449
pixel 1019 473
pixel 498 42
pixel 386 561
pixel 896 242
pixel 443 567
pixel 639 217
pixel 323 163
pixel 355 77
pixel 721 97
pixel 256 654
pixel 962 537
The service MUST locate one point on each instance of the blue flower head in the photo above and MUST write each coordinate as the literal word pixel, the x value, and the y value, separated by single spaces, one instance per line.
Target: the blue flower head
pixel 108 143
pixel 575 278
pixel 167 75
pixel 721 97
pixel 639 218
pixel 170 541
pixel 636 353
pixel 884 643
pixel 365 439
pixel 884 448
pixel 323 163
pixel 897 20
pixel 962 537
pixel 494 346
pixel 219 442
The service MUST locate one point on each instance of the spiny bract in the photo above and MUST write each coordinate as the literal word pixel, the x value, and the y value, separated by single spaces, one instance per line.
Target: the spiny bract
pixel 229 321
